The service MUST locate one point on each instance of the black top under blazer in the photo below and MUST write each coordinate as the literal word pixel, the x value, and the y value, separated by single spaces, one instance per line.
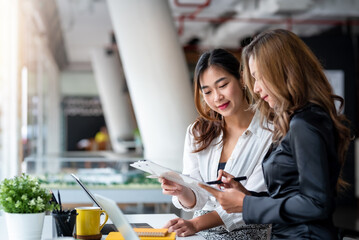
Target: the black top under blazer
pixel 301 174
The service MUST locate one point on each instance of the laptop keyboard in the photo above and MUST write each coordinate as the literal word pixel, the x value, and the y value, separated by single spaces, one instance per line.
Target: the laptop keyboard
pixel 108 228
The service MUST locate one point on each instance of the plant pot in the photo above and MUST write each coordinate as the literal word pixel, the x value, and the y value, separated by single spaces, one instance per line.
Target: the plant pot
pixel 24 226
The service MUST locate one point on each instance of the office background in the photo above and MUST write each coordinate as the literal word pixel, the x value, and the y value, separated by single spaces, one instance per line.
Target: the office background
pixel 70 67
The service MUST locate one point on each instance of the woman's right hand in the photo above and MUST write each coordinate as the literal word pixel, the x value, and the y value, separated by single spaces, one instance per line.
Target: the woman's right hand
pixel 228 182
pixel 171 188
pixel 185 195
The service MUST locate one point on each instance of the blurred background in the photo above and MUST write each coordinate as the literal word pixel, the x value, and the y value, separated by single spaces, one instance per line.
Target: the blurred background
pixel 89 86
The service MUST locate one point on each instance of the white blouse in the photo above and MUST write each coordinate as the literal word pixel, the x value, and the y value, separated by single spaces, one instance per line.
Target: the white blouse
pixel 245 160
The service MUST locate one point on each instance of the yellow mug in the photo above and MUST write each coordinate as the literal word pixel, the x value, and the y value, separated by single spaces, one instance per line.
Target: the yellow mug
pixel 88 221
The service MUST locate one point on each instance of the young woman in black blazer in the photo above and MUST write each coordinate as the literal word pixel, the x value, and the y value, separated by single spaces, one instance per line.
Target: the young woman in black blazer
pixel 310 140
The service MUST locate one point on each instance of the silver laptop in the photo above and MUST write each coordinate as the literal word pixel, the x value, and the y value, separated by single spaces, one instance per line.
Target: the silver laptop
pixel 114 212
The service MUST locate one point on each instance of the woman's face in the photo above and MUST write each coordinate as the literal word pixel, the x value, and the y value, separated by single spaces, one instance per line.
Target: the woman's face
pixel 222 91
pixel 260 87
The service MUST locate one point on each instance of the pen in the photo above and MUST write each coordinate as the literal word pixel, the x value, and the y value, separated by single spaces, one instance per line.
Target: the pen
pixel 54 198
pixel 58 195
pixel 235 179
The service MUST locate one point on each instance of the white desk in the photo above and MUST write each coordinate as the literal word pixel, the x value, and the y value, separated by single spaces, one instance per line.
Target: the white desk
pixel 155 220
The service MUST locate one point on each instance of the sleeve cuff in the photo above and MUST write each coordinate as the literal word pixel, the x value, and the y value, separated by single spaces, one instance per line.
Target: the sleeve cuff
pixel 200 203
pixel 246 207
pixel 231 220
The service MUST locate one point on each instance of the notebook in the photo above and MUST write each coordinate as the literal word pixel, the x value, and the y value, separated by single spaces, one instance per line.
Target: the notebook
pixel 118 236
pixel 151 232
pixel 114 213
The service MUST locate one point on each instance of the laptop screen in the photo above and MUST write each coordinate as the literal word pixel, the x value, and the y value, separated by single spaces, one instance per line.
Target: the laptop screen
pixel 86 190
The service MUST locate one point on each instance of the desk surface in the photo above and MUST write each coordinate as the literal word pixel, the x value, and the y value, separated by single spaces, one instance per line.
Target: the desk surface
pixel 155 220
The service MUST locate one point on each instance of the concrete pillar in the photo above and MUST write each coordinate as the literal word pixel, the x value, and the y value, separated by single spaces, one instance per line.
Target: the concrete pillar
pixel 157 76
pixel 114 99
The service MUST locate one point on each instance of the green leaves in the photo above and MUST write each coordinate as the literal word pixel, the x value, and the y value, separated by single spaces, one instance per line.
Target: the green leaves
pixel 24 194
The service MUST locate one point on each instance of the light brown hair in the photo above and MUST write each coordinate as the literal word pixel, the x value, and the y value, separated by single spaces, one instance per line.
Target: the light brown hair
pixel 294 75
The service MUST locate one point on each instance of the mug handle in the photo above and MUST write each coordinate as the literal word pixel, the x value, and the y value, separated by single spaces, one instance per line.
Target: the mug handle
pixel 106 218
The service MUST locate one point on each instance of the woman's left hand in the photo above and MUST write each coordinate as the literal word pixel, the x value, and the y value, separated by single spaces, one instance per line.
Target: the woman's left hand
pixel 230 199
pixel 182 227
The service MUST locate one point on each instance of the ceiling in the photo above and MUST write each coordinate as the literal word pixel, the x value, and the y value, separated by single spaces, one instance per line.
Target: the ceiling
pixel 86 24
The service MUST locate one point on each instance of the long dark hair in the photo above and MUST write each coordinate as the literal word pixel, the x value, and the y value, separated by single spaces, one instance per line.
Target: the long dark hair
pixel 294 75
pixel 209 124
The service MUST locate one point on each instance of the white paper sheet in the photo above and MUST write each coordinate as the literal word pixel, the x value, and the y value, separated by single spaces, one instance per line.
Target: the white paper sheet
pixel 157 170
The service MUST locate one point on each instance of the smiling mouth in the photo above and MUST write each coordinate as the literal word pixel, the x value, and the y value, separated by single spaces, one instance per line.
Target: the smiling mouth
pixel 223 106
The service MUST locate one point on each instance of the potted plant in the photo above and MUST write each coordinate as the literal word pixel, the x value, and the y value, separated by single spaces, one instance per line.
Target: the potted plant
pixel 24 202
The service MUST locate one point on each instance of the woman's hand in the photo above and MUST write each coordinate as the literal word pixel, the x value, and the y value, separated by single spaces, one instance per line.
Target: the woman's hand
pixel 185 195
pixel 230 199
pixel 183 228
pixel 171 188
pixel 228 182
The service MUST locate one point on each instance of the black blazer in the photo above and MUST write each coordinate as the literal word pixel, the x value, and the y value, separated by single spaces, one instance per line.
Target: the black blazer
pixel 301 174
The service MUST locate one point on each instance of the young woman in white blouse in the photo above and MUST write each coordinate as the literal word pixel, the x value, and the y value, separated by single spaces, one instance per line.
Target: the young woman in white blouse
pixel 226 135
